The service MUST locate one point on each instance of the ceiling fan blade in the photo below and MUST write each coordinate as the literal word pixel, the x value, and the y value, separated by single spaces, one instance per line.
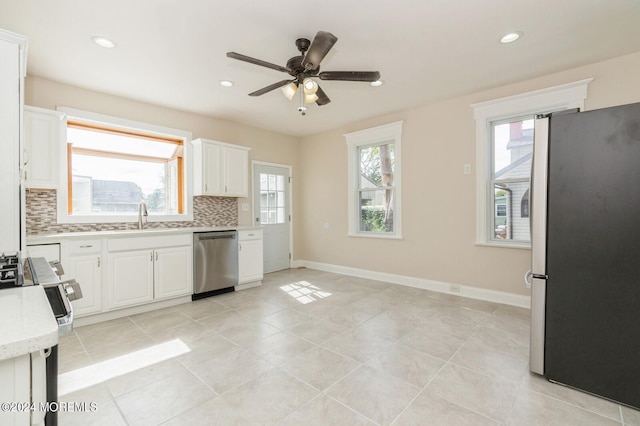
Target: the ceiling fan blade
pixel 350 75
pixel 270 87
pixel 323 99
pixel 322 43
pixel 255 61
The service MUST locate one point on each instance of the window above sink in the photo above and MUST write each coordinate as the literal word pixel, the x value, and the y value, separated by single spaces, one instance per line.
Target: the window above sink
pixel 113 164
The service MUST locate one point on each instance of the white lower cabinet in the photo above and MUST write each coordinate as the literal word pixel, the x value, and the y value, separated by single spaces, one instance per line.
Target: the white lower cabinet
pixel 130 279
pixel 23 381
pixel 158 268
pixel 82 261
pixel 172 272
pixel 250 256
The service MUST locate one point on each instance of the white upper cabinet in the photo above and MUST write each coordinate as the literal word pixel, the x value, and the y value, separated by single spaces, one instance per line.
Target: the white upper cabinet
pixel 44 132
pixel 220 169
pixel 12 69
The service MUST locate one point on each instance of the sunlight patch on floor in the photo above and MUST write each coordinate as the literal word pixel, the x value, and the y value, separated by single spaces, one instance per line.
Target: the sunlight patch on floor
pixel 304 292
pixel 99 372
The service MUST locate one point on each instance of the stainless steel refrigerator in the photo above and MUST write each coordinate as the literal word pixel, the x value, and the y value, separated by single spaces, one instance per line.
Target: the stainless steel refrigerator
pixel 585 232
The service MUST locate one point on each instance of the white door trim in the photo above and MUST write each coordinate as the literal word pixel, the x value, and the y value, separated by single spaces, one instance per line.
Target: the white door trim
pixel 254 211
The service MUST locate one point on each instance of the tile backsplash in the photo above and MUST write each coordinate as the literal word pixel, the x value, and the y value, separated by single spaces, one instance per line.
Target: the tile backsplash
pixel 41 215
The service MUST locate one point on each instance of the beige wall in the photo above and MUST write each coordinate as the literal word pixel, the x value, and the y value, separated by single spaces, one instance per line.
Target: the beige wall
pixel 266 146
pixel 438 211
pixel 438 199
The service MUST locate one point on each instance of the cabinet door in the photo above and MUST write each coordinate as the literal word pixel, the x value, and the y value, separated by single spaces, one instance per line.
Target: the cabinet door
pixel 10 107
pixel 172 272
pixel 211 173
pixel 86 269
pixel 249 261
pixel 236 172
pixel 44 132
pixel 15 376
pixel 130 278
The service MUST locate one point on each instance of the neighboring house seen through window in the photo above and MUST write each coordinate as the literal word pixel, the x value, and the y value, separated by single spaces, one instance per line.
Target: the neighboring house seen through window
pixel 504 149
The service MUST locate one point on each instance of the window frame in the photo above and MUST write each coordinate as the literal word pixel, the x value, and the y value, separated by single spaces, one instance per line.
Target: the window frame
pixel 101 120
pixel 555 98
pixel 387 133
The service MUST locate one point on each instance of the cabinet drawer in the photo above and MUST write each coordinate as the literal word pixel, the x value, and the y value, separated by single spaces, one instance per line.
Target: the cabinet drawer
pixel 141 243
pixel 252 234
pixel 84 246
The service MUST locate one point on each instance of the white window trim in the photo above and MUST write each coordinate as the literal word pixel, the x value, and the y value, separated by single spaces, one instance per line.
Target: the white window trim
pixel 565 96
pixel 101 119
pixel 372 136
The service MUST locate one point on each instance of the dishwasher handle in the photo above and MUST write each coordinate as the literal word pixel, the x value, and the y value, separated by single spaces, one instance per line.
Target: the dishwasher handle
pixel 216 237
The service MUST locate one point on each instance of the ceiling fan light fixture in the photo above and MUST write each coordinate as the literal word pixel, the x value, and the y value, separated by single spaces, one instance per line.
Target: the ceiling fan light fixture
pixel 290 90
pixel 310 86
pixel 309 99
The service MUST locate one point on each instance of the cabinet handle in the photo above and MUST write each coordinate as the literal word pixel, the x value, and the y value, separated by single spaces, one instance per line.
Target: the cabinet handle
pixel 239 247
pixel 98 261
pixel 250 235
pixel 86 246
pixel 225 189
pixel 205 188
pixel 156 255
pixel 151 258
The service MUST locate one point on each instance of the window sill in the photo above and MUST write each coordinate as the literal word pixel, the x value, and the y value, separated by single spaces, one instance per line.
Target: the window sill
pixel 524 246
pixel 66 219
pixel 378 236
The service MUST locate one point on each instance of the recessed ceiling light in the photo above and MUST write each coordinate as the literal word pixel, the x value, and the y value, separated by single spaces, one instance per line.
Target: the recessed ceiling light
pixel 104 42
pixel 511 37
pixel 226 83
pixel 377 83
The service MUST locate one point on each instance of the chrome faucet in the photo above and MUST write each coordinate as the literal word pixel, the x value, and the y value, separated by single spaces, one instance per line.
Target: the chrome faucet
pixel 142 211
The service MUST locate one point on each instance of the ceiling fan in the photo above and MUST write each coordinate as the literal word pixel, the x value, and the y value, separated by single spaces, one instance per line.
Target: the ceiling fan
pixel 304 68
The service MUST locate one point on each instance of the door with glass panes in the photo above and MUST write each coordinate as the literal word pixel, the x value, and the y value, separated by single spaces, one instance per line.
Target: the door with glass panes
pixel 271 210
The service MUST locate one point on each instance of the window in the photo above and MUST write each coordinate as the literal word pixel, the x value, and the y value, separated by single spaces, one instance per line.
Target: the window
pixel 512 146
pixel 504 140
pixel 272 199
pixel 113 165
pixel 374 181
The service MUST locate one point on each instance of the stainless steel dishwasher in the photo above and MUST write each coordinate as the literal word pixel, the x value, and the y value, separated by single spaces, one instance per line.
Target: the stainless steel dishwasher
pixel 215 263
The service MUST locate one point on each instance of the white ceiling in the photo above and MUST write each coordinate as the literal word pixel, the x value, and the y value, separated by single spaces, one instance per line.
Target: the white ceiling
pixel 172 52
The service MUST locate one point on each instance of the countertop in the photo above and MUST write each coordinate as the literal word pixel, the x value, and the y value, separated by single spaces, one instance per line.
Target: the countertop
pixel 28 323
pixel 50 238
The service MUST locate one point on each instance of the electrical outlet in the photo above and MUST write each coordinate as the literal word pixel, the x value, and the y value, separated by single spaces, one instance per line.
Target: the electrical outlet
pixel 454 288
pixel 467 169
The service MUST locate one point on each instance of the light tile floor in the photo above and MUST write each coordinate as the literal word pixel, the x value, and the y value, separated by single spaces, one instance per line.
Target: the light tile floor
pixel 315 348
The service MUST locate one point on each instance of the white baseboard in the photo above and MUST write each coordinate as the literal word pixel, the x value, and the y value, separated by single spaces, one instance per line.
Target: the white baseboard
pixel 125 312
pixel 439 286
pixel 245 286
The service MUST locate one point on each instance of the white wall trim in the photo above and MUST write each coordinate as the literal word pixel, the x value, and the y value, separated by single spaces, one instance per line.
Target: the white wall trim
pixel 564 96
pixel 421 283
pixel 373 136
